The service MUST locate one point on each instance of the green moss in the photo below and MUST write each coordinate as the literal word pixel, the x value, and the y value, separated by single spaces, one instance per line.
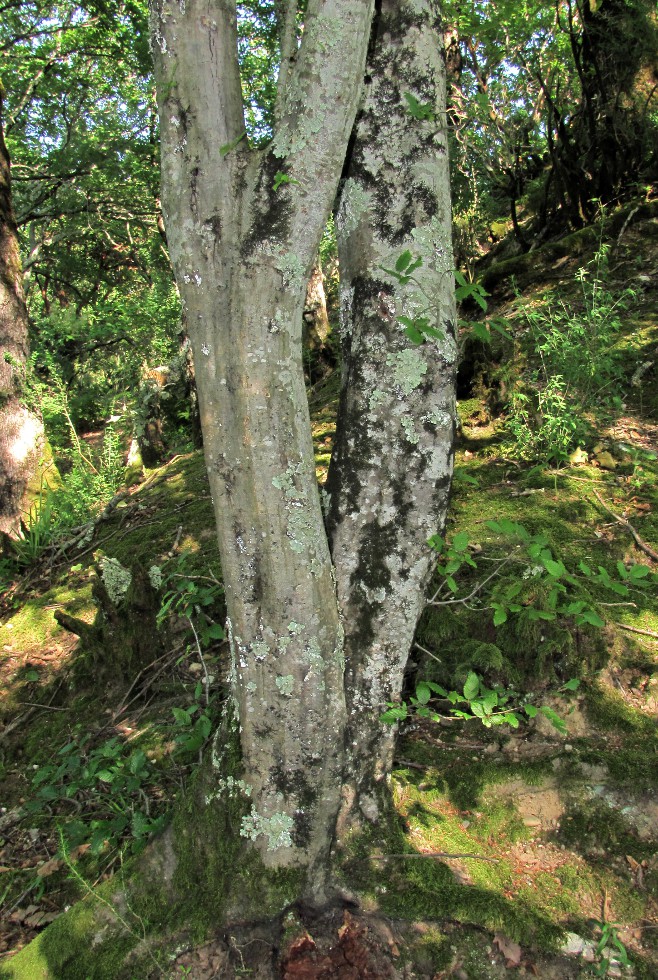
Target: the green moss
pixel 79 945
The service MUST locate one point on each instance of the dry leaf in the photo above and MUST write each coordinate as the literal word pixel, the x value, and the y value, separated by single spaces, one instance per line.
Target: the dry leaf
pixel 510 950
pixel 49 868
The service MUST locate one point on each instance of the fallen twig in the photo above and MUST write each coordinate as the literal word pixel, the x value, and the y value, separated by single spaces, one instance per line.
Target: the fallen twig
pixel 433 854
pixel 642 545
pixel 636 629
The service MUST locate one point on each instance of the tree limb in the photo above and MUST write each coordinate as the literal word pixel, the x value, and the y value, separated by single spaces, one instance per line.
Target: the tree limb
pixel 642 545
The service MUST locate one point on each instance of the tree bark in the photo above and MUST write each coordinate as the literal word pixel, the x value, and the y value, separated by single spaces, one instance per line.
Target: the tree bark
pixel 318 645
pixel 21 429
pixel 318 357
pixel 243 245
pixel 390 474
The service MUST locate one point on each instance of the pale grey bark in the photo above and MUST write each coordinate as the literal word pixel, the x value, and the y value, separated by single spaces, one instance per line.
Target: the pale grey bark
pixel 242 252
pixel 286 14
pixel 390 474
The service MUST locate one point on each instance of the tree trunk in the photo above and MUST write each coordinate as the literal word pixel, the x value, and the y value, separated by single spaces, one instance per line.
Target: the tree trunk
pixel 390 474
pixel 318 357
pixel 318 645
pixel 243 244
pixel 21 429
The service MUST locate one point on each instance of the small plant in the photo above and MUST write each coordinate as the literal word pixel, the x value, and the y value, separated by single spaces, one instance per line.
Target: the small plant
pixel 192 597
pixel 529 582
pixel 195 723
pixel 109 782
pixel 38 528
pixel 490 706
pixel 578 372
pixel 610 950
pixel 418 327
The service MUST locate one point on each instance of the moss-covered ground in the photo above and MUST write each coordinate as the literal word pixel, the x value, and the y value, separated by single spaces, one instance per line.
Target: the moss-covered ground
pixel 507 845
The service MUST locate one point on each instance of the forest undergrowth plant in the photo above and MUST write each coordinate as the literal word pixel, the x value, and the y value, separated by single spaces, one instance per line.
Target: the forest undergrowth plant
pixel 579 378
pixel 528 582
pixel 610 951
pixel 193 599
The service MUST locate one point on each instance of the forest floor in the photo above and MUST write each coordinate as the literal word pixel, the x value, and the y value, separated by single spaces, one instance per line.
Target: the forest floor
pixel 529 852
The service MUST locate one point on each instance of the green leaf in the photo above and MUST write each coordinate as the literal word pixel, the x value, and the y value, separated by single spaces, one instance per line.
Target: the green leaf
pixel 489 702
pixel 480 331
pixel 394 714
pixel 531 710
pixel 136 761
pixel 460 541
pixel 500 616
pixel 589 616
pixel 281 178
pixel 554 719
pixel 181 716
pixel 423 692
pixel 472 686
pixel 214 632
pixel 403 261
pixel 571 685
pixel 554 568
pixel 437 689
pixel 417 109
pixel 497 325
pixel 414 335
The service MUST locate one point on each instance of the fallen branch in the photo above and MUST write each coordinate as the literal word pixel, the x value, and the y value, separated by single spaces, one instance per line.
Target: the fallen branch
pixel 642 545
pixel 433 854
pixel 636 629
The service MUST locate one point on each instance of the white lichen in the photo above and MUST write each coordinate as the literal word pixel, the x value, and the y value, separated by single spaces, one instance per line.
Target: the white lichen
pixel 439 417
pixel 285 684
pixel 410 433
pixel 408 369
pixel 155 576
pixel 116 579
pixel 292 269
pixel 277 828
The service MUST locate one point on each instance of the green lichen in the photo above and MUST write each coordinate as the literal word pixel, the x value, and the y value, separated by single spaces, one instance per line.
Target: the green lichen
pixel 377 397
pixel 116 579
pixel 354 204
pixel 277 828
pixel 410 433
pixel 285 684
pixel 303 535
pixel 313 657
pixel 408 369
pixel 292 269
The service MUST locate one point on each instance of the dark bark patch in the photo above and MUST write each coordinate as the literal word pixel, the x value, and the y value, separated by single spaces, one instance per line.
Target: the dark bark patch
pixel 271 212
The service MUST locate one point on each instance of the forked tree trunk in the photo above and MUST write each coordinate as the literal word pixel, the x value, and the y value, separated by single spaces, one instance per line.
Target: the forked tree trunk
pixel 243 241
pixel 319 640
pixel 21 429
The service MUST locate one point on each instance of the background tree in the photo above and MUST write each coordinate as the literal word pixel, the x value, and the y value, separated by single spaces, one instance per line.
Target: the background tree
pixel 21 429
pixel 551 116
